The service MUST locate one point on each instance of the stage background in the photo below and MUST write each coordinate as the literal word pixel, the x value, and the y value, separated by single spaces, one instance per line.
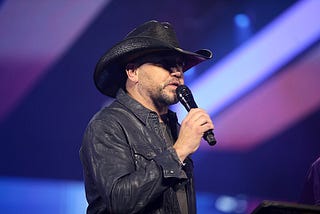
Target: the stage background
pixel 261 89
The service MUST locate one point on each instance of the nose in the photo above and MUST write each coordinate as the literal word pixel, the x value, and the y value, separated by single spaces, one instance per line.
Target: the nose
pixel 176 72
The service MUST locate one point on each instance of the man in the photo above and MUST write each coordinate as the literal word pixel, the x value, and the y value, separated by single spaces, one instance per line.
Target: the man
pixel 134 153
pixel 311 189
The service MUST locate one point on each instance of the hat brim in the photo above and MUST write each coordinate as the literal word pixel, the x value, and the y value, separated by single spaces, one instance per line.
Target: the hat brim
pixel 110 74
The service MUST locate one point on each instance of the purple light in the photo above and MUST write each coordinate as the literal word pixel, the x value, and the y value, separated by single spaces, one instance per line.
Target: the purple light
pixel 33 35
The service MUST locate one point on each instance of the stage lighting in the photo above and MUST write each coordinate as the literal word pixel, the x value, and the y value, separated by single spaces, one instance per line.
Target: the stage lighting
pixel 242 20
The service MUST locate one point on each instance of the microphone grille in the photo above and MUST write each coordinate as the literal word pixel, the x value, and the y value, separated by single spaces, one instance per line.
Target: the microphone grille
pixel 183 91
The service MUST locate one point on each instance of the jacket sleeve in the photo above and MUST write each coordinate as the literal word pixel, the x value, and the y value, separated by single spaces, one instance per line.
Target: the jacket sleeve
pixel 108 159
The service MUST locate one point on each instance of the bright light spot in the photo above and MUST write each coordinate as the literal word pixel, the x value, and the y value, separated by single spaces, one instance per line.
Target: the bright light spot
pixel 226 204
pixel 242 20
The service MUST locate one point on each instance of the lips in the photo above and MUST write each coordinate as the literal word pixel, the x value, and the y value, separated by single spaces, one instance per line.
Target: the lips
pixel 174 83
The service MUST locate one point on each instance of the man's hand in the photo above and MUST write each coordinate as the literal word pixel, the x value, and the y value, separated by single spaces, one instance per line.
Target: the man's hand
pixel 192 128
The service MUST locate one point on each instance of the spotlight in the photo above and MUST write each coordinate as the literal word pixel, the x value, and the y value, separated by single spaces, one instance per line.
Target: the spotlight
pixel 242 20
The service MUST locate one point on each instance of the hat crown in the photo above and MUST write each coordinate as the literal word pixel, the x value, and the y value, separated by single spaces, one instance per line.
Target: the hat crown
pixel 162 31
pixel 148 38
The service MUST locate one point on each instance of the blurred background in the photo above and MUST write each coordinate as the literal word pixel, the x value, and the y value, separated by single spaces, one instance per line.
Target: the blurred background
pixel 261 88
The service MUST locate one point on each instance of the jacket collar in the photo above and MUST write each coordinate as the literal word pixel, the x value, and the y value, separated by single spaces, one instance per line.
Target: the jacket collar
pixel 141 112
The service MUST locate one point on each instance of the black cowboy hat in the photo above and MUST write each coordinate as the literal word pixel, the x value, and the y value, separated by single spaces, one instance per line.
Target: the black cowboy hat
pixel 149 38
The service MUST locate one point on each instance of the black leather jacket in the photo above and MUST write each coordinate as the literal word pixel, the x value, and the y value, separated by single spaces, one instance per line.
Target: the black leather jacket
pixel 127 166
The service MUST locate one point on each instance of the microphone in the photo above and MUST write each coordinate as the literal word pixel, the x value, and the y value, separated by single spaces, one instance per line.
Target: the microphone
pixel 186 99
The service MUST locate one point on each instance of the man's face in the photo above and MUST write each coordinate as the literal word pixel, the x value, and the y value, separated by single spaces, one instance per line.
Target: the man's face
pixel 159 77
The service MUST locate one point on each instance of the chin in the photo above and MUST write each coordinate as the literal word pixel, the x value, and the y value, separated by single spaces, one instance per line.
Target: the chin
pixel 173 100
pixel 168 100
pixel 168 97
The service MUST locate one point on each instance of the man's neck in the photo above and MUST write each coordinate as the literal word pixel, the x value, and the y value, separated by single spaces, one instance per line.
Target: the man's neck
pixel 149 104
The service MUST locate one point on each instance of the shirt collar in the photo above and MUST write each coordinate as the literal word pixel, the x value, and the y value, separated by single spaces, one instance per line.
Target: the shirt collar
pixel 141 112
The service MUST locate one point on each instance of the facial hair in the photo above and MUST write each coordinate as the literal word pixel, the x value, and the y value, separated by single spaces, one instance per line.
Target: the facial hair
pixel 163 98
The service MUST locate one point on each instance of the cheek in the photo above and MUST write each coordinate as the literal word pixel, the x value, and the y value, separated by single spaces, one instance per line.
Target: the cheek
pixel 155 79
pixel 147 82
pixel 181 81
pixel 153 76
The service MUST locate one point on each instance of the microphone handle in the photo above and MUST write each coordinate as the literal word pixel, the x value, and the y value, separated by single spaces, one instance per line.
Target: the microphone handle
pixel 209 137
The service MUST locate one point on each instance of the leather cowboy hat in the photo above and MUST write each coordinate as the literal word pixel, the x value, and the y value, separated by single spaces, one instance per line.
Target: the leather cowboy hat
pixel 149 38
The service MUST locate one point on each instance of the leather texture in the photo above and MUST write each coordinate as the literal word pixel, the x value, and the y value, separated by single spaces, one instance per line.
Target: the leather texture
pixel 128 168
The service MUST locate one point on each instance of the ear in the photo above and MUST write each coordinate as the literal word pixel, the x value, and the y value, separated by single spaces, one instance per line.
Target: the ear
pixel 131 70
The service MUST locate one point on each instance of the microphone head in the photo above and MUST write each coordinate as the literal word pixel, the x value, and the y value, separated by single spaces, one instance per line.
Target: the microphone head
pixel 183 91
pixel 185 97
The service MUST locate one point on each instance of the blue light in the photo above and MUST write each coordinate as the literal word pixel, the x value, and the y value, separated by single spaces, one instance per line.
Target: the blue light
pixel 36 196
pixel 189 75
pixel 242 20
pixel 257 59
pixel 226 204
